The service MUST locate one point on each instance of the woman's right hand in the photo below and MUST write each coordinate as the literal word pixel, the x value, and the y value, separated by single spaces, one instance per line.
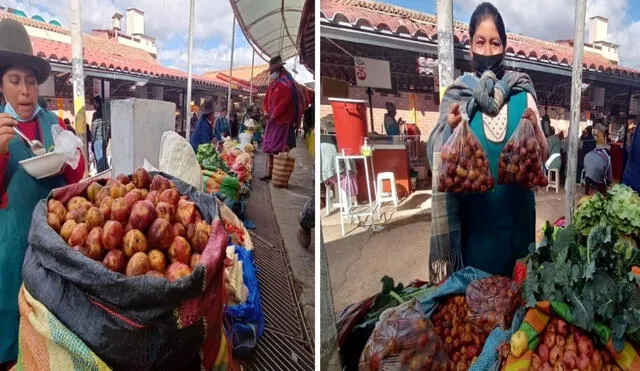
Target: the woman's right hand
pixel 7 123
pixel 454 117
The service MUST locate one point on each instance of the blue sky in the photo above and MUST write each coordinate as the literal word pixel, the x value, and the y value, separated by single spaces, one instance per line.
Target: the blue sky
pixel 168 22
pixel 554 19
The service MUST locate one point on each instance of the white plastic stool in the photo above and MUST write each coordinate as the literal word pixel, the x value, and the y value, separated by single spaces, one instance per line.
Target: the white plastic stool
pixel 554 181
pixel 387 197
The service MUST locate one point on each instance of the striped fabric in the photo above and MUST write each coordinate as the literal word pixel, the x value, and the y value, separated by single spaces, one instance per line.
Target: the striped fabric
pixel 47 345
pixel 536 321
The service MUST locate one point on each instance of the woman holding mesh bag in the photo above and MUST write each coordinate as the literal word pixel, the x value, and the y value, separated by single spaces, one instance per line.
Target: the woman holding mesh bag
pixel 489 230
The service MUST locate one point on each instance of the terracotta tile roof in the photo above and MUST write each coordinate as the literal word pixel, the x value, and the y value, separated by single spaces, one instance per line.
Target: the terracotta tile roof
pixel 105 54
pixel 306 35
pixel 241 73
pixel 379 17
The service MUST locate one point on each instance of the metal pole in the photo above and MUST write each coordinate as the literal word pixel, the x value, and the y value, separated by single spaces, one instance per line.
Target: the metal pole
pixel 626 131
pixel 576 93
pixel 370 94
pixel 253 59
pixel 445 44
pixel 330 355
pixel 187 116
pixel 233 43
pixel 77 73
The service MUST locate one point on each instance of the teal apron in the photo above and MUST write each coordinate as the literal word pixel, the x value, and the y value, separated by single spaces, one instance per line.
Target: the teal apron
pixel 23 192
pixel 497 226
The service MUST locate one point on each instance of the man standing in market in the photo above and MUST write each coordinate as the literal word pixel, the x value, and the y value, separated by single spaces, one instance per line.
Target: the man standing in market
pixel 283 109
pixel 203 132
pixel 221 128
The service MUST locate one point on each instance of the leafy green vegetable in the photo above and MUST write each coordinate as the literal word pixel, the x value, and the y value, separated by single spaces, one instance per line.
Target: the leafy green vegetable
pixel 590 214
pixel 623 210
pixel 208 158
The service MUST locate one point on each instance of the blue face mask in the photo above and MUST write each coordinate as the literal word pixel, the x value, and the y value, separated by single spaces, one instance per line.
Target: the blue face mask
pixel 9 109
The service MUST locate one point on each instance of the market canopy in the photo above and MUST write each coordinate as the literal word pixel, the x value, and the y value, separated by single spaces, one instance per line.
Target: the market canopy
pixel 271 26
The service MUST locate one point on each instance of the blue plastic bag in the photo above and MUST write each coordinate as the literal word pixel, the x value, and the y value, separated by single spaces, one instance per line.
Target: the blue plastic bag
pixel 245 322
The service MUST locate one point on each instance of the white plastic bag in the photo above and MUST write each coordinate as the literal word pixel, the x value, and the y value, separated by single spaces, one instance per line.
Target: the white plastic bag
pixel 67 144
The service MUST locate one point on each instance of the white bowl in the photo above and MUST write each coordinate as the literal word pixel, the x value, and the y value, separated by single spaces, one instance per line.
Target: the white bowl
pixel 44 166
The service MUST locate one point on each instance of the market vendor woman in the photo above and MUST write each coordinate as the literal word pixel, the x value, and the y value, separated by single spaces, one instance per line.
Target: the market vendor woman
pixel 20 74
pixel 488 231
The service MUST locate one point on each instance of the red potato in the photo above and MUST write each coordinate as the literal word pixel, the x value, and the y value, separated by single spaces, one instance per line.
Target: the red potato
pixel 543 351
pixel 92 191
pixel 67 229
pixel 118 190
pixel 584 363
pixel 112 235
pixel 546 367
pixel 94 218
pixel 79 235
pixel 123 179
pixel 555 355
pixel 132 197
pixel 134 242
pixel 141 178
pixel 120 211
pixel 585 346
pixel 161 234
pixel 105 207
pixel 570 359
pixel 54 222
pixel 177 270
pixel 115 261
pixel 170 196
pixel 157 261
pixel 536 362
pixel 56 207
pixel 137 265
pixel 596 361
pixel 142 215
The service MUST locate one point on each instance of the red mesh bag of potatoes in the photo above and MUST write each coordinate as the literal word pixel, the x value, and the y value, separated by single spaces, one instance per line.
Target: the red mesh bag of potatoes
pixel 404 339
pixel 521 159
pixel 492 302
pixel 464 167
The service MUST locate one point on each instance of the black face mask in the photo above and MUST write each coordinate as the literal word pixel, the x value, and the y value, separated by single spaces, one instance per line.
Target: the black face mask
pixel 482 63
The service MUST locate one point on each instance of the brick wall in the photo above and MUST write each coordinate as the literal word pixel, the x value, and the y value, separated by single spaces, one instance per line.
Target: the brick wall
pixel 426 110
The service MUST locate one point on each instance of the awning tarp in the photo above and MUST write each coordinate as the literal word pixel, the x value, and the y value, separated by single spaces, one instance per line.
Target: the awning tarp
pixel 271 26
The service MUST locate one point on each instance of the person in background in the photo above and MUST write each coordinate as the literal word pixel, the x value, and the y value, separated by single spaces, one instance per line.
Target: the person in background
pixel 233 123
pixel 488 231
pixel 545 123
pixel 21 72
pixel 283 109
pixel 308 125
pixel 631 175
pixel 221 127
pixel 70 127
pixel 391 125
pixel 553 141
pixel 597 168
pixel 203 131
pixel 100 135
pixel 587 144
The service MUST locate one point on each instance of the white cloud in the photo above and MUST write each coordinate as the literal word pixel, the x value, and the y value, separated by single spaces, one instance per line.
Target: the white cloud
pixel 554 20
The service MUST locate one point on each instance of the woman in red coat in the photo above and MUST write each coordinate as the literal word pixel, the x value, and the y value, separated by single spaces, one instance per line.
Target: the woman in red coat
pixel 283 109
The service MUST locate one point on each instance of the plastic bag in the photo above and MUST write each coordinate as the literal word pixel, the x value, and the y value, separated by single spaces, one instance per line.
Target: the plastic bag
pixel 464 167
pixel 404 339
pixel 521 159
pixel 493 301
pixel 66 143
pixel 462 340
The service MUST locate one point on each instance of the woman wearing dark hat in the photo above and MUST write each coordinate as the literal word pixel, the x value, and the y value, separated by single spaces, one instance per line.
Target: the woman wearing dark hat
pixel 203 132
pixel 283 107
pixel 20 74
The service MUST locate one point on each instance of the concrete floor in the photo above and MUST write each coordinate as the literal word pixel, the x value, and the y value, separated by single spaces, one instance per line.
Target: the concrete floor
pixel 286 204
pixel 359 260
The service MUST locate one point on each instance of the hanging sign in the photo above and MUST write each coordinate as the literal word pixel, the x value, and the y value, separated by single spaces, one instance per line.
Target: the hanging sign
pixel 372 73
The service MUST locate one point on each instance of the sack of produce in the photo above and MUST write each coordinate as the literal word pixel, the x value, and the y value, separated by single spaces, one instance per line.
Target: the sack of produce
pixel 404 339
pixel 464 167
pixel 161 314
pixel 177 159
pixel 245 321
pixel 521 159
pixel 547 341
pixel 492 302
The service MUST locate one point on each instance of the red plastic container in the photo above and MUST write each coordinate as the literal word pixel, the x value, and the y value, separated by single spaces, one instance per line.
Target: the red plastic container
pixel 350 119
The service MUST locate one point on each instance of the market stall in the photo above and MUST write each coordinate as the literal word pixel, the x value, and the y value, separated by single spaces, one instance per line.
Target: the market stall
pixel 572 303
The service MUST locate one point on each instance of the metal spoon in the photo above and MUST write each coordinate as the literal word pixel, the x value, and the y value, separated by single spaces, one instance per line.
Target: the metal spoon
pixel 36 147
